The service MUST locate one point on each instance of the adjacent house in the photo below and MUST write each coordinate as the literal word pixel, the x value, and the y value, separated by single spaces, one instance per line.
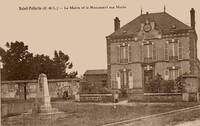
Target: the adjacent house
pixel 96 81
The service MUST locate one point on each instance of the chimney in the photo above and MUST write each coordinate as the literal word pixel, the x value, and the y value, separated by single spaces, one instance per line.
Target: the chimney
pixel 117 23
pixel 192 16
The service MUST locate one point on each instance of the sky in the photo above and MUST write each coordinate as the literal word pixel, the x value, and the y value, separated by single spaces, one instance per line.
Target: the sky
pixel 80 33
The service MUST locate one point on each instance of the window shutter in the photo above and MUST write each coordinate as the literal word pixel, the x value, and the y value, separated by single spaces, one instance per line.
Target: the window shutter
pixel 154 51
pixel 166 74
pixel 166 57
pixel 175 49
pixel 150 51
pixel 140 53
pixel 118 86
pixel 130 80
pixel 130 54
pixel 145 52
pixel 180 51
pixel 126 52
pixel 118 54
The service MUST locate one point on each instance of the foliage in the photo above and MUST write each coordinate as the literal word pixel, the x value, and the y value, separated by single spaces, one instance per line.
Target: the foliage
pixel 20 64
pixel 17 60
pixel 2 52
pixel 61 63
pixel 159 85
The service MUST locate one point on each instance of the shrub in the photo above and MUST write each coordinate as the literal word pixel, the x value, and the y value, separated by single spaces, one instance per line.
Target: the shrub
pixel 159 85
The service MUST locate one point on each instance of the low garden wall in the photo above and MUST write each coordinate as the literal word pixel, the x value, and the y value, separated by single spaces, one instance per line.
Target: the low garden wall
pixel 163 97
pixel 96 98
pixel 157 97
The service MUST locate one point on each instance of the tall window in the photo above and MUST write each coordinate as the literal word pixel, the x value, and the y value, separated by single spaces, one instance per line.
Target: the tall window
pixel 173 74
pixel 149 51
pixel 124 79
pixel 173 44
pixel 124 53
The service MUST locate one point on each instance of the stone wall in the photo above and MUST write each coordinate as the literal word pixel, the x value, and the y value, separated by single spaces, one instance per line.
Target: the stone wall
pixel 25 89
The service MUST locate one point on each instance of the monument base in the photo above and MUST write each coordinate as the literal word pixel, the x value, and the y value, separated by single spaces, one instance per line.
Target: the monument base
pixel 52 110
pixel 44 111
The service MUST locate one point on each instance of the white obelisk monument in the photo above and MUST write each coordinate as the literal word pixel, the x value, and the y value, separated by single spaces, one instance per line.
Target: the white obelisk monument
pixel 43 99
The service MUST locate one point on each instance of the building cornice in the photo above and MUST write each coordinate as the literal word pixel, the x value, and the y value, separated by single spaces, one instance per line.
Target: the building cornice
pixel 118 39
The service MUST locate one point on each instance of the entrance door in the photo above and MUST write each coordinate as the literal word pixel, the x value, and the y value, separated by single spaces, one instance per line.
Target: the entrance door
pixel 148 76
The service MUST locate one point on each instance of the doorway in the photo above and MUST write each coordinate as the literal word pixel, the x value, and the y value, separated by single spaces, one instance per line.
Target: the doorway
pixel 148 76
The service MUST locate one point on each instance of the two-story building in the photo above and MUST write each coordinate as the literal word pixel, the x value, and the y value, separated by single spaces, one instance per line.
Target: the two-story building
pixel 152 43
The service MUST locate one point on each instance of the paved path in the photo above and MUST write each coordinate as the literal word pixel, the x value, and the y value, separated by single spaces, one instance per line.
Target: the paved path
pixel 190 123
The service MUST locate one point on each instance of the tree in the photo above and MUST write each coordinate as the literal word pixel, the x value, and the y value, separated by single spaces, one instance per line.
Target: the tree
pixel 20 64
pixel 2 52
pixel 17 60
pixel 62 63
pixel 71 74
pixel 42 64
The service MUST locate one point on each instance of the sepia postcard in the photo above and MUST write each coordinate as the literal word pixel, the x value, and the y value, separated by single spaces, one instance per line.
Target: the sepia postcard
pixel 100 63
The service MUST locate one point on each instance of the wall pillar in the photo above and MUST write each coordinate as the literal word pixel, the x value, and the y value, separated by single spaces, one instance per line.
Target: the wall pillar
pixel 191 89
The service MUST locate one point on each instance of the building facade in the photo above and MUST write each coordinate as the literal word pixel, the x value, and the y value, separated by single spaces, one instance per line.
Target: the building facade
pixel 152 43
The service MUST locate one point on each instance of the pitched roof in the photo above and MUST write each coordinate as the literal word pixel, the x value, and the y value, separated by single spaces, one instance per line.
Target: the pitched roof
pixel 163 22
pixel 95 72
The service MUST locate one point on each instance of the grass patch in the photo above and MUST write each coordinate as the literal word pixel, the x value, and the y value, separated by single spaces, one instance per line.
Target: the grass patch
pixel 93 115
